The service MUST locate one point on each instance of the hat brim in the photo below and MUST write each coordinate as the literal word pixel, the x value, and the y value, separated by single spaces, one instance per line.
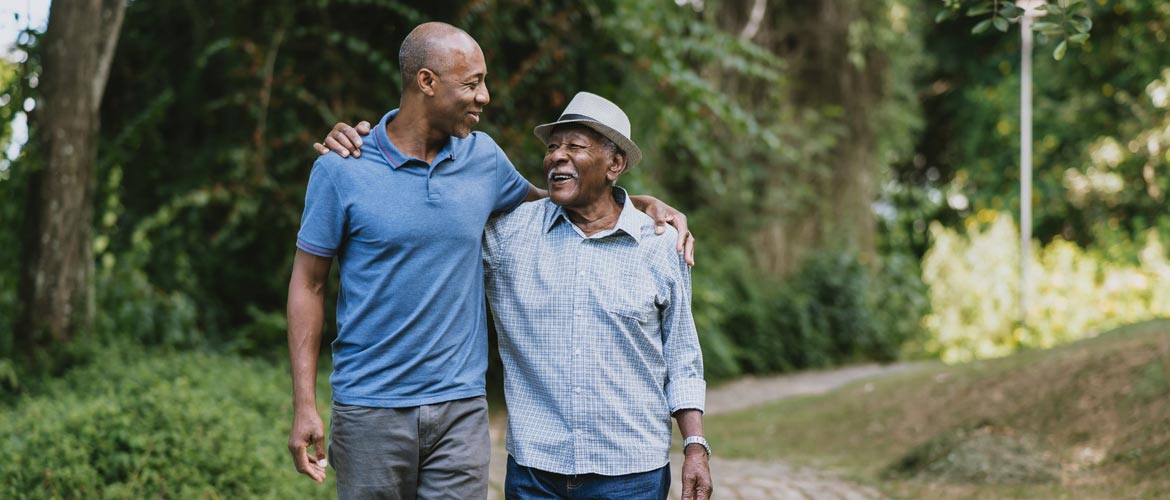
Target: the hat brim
pixel 633 152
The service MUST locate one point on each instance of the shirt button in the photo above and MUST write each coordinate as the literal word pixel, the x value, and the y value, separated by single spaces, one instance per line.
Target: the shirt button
pixel 578 313
pixel 577 390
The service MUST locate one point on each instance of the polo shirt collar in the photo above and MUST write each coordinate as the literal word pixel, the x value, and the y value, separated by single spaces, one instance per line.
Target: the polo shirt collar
pixel 397 158
pixel 627 220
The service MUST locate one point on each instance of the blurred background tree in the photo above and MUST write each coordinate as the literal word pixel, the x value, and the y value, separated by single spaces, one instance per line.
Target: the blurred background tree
pixel 57 261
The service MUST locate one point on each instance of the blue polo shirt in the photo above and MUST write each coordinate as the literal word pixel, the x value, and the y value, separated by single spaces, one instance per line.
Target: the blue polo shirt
pixel 407 236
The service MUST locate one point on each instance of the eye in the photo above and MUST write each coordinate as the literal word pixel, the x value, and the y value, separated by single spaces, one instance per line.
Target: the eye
pixel 576 148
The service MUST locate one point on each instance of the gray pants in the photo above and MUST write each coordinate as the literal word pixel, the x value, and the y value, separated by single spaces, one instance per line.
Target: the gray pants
pixel 427 452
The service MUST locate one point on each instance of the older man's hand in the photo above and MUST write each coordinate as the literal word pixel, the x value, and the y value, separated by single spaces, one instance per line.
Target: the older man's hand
pixel 696 474
pixel 664 214
pixel 344 140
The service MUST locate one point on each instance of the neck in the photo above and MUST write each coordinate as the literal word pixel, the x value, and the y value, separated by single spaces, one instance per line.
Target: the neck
pixel 412 133
pixel 600 215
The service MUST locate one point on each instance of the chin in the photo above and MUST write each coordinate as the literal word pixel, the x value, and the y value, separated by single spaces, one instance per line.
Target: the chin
pixel 561 199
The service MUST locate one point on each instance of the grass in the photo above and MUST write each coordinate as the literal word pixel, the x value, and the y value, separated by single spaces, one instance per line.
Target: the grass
pixel 1087 420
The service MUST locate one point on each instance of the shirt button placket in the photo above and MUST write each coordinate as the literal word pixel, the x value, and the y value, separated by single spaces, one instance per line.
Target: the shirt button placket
pixel 576 365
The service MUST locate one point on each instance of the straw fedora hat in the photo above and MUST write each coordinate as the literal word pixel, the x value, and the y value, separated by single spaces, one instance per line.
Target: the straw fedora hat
pixel 597 113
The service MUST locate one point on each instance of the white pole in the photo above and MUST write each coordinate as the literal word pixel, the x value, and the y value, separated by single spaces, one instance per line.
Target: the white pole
pixel 1025 159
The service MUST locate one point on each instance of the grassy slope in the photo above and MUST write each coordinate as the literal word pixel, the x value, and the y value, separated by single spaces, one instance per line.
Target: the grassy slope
pixel 1099 410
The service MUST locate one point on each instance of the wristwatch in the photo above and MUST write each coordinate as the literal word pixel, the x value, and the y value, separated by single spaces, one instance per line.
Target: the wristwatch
pixel 697 440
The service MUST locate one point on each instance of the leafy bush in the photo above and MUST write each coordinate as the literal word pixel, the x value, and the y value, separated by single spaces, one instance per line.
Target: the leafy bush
pixel 131 307
pixel 899 300
pixel 834 310
pixel 152 424
pixel 974 291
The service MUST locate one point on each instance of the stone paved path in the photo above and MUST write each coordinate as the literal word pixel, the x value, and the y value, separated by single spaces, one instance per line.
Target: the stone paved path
pixel 748 479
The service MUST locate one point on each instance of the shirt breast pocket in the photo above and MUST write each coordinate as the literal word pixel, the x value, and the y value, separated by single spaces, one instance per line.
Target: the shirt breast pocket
pixel 630 299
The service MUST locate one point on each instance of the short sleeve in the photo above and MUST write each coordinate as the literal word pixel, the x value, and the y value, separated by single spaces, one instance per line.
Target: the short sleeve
pixel 513 187
pixel 323 221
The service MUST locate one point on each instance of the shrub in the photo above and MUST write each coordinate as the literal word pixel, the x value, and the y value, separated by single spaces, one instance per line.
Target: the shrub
pixel 833 310
pixel 974 291
pixel 899 300
pixel 836 287
pixel 155 425
pixel 131 307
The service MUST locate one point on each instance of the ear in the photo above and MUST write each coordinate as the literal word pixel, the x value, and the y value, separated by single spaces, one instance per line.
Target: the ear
pixel 426 80
pixel 617 165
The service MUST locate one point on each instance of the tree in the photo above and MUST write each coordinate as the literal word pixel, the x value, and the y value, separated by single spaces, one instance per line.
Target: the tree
pixel 841 58
pixel 57 264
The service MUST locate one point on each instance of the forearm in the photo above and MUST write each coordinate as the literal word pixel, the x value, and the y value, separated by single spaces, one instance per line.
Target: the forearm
pixel 306 315
pixel 690 422
pixel 696 473
pixel 535 193
pixel 642 202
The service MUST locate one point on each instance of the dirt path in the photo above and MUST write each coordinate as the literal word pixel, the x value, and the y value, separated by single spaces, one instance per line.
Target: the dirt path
pixel 748 479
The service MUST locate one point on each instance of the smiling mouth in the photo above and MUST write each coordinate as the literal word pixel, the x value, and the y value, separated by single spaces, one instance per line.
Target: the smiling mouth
pixel 559 178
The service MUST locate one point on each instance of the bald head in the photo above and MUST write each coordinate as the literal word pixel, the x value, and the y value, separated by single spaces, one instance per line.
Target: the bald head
pixel 430 45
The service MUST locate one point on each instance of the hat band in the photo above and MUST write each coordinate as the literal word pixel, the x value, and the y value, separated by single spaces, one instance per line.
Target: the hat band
pixel 572 116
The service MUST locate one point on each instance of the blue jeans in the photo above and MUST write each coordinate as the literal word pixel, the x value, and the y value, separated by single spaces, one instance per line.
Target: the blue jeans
pixel 526 483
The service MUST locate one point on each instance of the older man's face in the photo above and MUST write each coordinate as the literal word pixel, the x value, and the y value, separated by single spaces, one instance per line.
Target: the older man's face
pixel 578 167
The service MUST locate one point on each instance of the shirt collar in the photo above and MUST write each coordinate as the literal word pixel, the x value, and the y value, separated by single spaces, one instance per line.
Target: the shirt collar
pixel 398 158
pixel 628 220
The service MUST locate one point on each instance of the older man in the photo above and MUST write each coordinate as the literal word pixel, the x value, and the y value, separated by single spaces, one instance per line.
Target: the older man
pixel 596 333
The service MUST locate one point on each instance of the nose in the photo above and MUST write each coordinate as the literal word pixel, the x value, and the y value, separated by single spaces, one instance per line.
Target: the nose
pixel 555 156
pixel 483 96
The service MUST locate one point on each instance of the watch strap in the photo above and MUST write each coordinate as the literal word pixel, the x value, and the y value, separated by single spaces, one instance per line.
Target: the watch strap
pixel 700 440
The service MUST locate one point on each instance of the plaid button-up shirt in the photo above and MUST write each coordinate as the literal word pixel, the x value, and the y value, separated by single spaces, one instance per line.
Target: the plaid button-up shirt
pixel 597 338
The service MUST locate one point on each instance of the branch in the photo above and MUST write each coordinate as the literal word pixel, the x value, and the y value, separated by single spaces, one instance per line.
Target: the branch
pixel 113 12
pixel 753 25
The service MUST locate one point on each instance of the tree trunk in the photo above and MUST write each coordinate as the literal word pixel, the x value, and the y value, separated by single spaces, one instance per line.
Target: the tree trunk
pixel 56 281
pixel 814 38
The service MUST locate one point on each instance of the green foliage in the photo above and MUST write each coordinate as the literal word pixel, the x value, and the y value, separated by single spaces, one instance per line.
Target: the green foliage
pixel 898 300
pixel 15 173
pixel 834 310
pixel 1066 20
pixel 974 291
pixel 210 109
pixel 1099 158
pixel 151 424
pixel 134 309
pixel 181 239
